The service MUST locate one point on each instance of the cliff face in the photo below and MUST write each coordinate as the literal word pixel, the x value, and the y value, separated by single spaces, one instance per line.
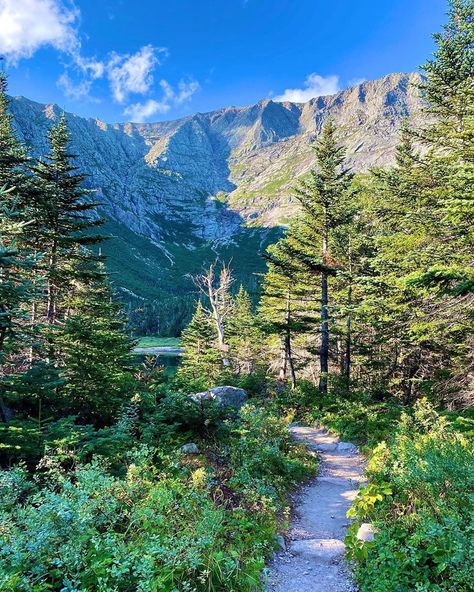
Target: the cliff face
pixel 175 193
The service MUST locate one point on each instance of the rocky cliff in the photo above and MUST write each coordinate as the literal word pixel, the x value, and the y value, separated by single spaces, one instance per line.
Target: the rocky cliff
pixel 176 193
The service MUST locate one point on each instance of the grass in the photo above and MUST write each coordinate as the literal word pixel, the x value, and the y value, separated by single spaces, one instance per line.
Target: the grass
pixel 152 341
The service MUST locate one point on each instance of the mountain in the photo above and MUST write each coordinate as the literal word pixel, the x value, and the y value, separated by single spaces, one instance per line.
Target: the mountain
pixel 175 194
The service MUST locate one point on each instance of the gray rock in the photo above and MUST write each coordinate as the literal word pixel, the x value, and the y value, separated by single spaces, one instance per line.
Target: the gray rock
pixel 281 544
pixel 366 532
pixel 319 550
pixel 225 396
pixel 347 447
pixel 190 448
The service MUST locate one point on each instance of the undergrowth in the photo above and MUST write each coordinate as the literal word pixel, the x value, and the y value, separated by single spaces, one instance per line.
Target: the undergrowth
pixel 152 518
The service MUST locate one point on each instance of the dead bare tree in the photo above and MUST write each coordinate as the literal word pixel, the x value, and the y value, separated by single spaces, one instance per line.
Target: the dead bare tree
pixel 215 286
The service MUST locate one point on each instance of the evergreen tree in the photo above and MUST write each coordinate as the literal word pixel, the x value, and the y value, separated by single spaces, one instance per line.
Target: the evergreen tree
pixel 325 198
pixel 244 335
pixel 95 353
pixel 16 288
pixel 13 155
pixel 16 291
pixel 201 361
pixel 448 90
pixel 284 308
pixel 63 220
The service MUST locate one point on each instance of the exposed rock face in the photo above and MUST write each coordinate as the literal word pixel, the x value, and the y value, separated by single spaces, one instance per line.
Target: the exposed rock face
pixel 225 396
pixel 173 188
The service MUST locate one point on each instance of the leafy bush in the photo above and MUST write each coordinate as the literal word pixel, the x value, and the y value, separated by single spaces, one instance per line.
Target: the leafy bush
pixel 420 500
pixel 167 522
pixel 265 461
pixel 354 415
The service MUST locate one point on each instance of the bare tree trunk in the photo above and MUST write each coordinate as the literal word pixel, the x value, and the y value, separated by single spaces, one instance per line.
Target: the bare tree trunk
pixel 348 352
pixel 324 351
pixel 289 356
pixel 283 360
pixel 218 296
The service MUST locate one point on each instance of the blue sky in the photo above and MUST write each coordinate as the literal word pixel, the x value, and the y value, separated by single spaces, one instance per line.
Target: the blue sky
pixel 151 60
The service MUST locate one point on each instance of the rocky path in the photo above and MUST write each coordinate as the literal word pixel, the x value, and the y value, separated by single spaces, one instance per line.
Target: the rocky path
pixel 314 557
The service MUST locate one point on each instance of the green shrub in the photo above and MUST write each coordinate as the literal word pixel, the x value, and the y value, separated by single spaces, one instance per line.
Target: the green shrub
pixel 166 522
pixel 421 501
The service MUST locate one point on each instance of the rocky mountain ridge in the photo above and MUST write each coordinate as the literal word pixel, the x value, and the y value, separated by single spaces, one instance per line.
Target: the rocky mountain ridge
pixel 176 193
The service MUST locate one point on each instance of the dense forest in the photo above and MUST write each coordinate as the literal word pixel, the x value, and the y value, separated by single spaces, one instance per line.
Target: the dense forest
pixel 115 476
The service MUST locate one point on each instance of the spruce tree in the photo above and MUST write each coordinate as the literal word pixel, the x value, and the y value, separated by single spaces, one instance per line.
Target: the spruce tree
pixel 64 219
pixel 285 308
pixel 201 363
pixel 95 353
pixel 325 199
pixel 14 158
pixel 16 290
pixel 244 336
pixel 448 89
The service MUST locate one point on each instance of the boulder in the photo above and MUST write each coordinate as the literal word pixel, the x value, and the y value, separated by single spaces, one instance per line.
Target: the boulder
pixel 280 543
pixel 190 448
pixel 225 396
pixel 366 532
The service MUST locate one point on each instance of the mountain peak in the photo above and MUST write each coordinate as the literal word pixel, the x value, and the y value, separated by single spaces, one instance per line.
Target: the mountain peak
pixel 158 181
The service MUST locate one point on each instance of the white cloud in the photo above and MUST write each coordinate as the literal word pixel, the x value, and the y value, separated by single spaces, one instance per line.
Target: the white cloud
pixel 132 74
pixel 27 25
pixel 314 86
pixel 76 90
pixel 140 112
pixel 93 68
pixel 184 93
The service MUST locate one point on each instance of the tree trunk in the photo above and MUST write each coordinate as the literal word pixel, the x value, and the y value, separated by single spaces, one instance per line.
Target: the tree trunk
pixel 51 304
pixel 348 353
pixel 283 360
pixel 324 350
pixel 219 325
pixel 289 356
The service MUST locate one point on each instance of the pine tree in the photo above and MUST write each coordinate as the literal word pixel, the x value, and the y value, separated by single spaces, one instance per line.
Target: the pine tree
pixel 14 159
pixel 201 361
pixel 63 221
pixel 244 335
pixel 95 353
pixel 325 199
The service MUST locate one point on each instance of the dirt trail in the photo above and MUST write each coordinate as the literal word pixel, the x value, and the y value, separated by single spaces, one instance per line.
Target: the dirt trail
pixel 314 557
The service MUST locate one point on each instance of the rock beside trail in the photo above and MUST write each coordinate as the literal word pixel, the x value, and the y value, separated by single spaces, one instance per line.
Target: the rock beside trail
pixel 366 532
pixel 190 448
pixel 225 396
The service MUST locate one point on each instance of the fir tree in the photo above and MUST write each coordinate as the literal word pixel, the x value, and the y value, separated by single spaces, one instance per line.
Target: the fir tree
pixel 325 199
pixel 284 308
pixel 448 90
pixel 244 335
pixel 16 290
pixel 14 159
pixel 202 361
pixel 95 353
pixel 63 220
